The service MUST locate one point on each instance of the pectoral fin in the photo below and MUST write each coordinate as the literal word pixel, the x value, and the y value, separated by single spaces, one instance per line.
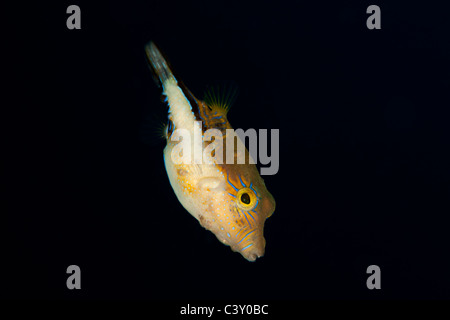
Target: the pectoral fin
pixel 210 183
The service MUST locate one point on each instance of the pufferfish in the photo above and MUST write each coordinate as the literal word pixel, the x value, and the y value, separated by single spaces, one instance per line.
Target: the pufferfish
pixel 229 199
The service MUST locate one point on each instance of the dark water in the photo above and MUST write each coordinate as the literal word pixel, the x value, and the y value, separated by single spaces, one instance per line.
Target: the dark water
pixel 364 175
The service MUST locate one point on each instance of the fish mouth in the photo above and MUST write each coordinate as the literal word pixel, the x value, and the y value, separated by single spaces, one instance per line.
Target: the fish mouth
pixel 252 256
pixel 254 250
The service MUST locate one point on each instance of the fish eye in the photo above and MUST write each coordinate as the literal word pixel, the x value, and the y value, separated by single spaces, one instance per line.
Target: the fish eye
pixel 246 199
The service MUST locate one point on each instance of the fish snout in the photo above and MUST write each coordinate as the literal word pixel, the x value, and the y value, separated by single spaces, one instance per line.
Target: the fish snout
pixel 253 249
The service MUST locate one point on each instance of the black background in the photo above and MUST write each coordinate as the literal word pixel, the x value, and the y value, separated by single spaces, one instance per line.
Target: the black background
pixel 364 149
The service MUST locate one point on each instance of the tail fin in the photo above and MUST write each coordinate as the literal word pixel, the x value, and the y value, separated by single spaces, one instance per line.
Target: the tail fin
pixel 158 64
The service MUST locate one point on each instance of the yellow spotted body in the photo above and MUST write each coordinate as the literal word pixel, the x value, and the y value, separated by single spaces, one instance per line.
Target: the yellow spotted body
pixel 229 199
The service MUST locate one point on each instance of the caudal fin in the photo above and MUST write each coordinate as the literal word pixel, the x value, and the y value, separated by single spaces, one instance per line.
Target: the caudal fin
pixel 158 64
